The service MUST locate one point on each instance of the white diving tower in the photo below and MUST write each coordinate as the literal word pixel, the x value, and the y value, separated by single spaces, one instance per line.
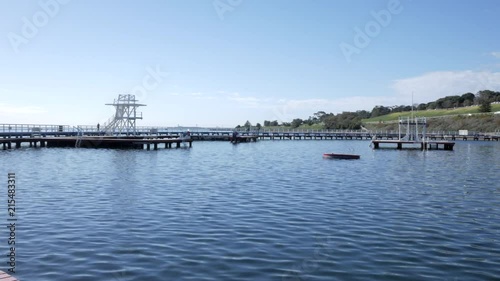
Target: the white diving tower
pixel 123 122
pixel 415 128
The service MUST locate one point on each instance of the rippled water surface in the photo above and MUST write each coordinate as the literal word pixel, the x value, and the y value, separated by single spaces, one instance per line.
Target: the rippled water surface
pixel 271 210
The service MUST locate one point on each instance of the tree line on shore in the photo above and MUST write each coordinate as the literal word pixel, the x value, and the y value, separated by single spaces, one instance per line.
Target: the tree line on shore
pixel 482 98
pixel 352 120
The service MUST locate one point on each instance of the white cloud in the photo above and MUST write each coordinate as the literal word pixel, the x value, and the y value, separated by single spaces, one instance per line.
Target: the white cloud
pixel 201 96
pixel 434 85
pixel 286 110
pixel 6 109
pixel 496 54
pixel 247 101
pixel 426 88
pixel 194 95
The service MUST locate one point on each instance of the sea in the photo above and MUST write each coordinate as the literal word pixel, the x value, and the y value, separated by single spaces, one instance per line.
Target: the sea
pixel 269 210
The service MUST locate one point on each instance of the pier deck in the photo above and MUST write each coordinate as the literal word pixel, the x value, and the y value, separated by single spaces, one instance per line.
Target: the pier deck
pixel 239 139
pixel 224 134
pixel 429 145
pixel 95 142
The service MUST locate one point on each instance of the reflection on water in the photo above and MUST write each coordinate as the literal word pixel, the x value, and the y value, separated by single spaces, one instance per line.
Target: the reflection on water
pixel 271 210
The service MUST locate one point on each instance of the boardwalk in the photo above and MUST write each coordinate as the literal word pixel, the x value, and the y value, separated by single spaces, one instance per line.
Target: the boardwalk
pixel 12 135
pixel 248 138
pixel 95 142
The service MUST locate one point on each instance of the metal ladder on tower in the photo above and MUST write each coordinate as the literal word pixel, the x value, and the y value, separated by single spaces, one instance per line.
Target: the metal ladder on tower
pixel 79 136
pixel 109 125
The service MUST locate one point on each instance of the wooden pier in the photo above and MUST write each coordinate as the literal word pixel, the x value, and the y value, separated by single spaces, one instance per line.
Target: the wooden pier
pixel 224 134
pixel 6 277
pixel 96 142
pixel 423 145
pixel 239 139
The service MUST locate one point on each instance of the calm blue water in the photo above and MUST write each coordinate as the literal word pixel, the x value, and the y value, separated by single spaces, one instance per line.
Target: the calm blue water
pixel 272 210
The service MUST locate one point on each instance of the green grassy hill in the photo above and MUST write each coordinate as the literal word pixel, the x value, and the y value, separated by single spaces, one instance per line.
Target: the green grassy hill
pixel 431 113
pixel 466 118
pixel 485 123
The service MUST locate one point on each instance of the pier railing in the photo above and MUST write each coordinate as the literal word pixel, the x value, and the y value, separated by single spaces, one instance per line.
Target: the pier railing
pixel 8 129
pixel 38 128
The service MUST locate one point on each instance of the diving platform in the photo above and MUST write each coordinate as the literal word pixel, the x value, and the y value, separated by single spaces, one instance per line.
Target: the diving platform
pixel 424 145
pixel 412 134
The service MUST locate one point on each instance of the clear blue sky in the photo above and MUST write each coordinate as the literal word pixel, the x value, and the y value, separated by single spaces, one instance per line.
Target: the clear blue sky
pixel 229 61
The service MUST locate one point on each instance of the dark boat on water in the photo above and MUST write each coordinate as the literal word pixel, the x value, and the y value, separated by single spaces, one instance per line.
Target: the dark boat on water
pixel 340 156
